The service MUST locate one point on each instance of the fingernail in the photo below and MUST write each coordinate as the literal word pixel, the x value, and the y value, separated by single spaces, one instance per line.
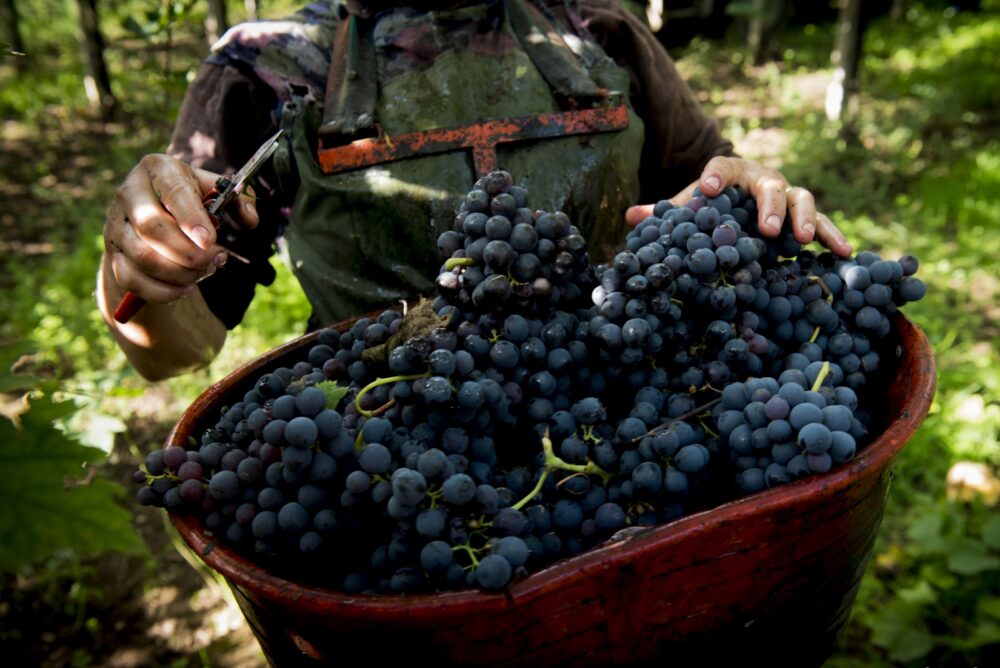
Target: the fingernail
pixel 220 259
pixel 199 234
pixel 189 289
pixel 773 222
pixel 809 229
pixel 713 182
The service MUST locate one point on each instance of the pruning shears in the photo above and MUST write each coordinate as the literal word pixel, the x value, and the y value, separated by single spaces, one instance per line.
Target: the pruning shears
pixel 225 191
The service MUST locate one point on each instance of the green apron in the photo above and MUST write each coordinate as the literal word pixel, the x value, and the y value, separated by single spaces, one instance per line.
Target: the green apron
pixel 366 238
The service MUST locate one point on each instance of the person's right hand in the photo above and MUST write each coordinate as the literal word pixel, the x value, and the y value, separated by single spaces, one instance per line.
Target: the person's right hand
pixel 158 237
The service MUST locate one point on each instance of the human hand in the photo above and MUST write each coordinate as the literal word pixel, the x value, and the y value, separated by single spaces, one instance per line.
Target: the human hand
pixel 158 237
pixel 774 198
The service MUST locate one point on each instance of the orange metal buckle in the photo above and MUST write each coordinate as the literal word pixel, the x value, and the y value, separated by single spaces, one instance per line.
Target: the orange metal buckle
pixel 481 138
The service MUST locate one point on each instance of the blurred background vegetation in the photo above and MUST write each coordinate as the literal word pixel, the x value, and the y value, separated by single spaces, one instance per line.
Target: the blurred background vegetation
pixel 908 162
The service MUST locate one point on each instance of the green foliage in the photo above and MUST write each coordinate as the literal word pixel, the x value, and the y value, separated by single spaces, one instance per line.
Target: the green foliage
pixel 161 19
pixel 938 601
pixel 48 503
pixel 945 60
pixel 56 310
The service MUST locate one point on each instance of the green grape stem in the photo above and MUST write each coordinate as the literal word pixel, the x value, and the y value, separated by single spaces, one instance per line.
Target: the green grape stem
pixel 823 373
pixel 554 463
pixel 378 382
pixel 434 494
pixel 469 550
pixel 534 492
pixel 453 262
pixel 707 429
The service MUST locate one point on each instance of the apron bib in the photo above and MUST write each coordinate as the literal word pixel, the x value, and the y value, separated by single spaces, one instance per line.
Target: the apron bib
pixel 366 238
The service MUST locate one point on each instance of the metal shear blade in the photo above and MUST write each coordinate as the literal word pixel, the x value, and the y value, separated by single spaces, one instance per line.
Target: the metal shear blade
pixel 247 172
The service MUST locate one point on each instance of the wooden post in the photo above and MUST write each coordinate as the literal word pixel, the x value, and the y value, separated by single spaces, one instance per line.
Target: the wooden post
pixel 10 24
pixel 765 20
pixel 96 80
pixel 216 22
pixel 846 58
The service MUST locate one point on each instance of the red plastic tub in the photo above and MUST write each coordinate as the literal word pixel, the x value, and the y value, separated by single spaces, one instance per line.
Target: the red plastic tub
pixel 767 580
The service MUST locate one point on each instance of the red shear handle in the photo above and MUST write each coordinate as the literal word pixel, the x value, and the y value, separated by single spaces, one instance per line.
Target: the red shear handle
pixel 131 302
pixel 128 307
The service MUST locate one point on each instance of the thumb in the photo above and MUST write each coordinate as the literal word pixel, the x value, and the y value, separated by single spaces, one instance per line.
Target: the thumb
pixel 638 213
pixel 244 207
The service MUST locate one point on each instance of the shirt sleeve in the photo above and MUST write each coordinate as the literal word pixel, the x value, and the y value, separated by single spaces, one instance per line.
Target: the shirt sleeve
pixel 680 137
pixel 224 118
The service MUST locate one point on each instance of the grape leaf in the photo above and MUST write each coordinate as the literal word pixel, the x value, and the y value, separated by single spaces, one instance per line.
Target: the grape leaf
pixel 899 629
pixel 928 532
pixel 45 505
pixel 919 594
pixel 969 557
pixel 989 605
pixel 985 633
pixel 9 380
pixel 991 532
pixel 95 429
pixel 12 383
pixel 334 393
pixel 911 644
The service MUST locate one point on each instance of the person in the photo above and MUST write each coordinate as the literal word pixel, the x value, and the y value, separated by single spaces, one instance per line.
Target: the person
pixel 362 237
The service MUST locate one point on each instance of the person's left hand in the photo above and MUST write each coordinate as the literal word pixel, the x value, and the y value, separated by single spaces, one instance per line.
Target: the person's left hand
pixel 774 198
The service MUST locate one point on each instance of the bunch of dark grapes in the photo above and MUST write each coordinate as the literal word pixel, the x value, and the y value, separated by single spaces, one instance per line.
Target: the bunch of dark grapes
pixel 780 430
pixel 505 256
pixel 549 404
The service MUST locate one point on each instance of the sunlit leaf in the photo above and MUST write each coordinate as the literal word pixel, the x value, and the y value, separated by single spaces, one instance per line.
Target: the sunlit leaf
pixel 919 594
pixel 95 429
pixel 334 393
pixel 46 503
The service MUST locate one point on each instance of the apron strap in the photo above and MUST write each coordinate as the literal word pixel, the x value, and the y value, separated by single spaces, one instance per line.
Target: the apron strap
pixel 553 57
pixel 352 83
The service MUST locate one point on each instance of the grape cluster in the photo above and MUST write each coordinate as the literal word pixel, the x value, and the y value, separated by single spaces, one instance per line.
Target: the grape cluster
pixel 502 255
pixel 780 430
pixel 539 404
